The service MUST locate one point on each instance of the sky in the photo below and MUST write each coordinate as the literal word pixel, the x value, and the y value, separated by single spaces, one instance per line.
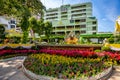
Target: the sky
pixel 106 11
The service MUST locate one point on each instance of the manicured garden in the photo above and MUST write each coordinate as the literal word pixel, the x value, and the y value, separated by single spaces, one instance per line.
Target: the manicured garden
pixel 66 67
pixel 70 63
pixel 63 63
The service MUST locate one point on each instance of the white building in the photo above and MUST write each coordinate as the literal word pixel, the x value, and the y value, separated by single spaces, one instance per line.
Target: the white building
pixel 8 24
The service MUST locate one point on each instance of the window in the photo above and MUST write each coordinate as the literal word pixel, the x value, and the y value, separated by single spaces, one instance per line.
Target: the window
pixel 12 21
pixel 83 20
pixel 12 26
pixel 94 22
pixel 64 9
pixel 71 21
pixel 83 31
pixel 93 28
pixel 82 26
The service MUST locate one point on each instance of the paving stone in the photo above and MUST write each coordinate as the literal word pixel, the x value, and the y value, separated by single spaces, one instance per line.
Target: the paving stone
pixel 9 69
pixel 116 74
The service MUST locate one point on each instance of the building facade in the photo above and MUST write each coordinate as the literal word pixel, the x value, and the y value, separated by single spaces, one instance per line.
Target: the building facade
pixel 8 24
pixel 76 18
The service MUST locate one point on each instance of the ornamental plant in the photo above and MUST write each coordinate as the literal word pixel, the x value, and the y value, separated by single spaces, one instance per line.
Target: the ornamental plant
pixel 65 67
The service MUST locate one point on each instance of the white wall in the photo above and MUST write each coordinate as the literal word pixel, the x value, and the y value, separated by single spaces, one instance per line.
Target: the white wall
pixel 4 22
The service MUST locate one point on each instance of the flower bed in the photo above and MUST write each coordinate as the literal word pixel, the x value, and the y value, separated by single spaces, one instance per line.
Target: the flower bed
pixel 81 53
pixel 65 52
pixel 65 67
pixel 27 46
pixel 24 51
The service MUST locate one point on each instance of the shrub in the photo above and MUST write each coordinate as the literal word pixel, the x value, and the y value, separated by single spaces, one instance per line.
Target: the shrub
pixel 105 48
pixel 111 39
pixel 2 33
pixel 97 50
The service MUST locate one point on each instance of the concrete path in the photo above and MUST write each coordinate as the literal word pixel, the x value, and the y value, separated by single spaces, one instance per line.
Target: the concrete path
pixel 116 74
pixel 9 69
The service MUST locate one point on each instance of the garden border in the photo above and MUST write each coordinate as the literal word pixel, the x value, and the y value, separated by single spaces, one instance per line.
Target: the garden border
pixel 101 76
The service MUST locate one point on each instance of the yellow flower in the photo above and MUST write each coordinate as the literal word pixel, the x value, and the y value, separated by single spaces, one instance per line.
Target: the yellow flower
pixel 115 45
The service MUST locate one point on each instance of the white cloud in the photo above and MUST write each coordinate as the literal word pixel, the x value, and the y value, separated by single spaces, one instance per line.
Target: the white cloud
pixel 58 3
pixel 51 3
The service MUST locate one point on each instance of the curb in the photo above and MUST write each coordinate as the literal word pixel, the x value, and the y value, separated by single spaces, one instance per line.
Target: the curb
pixel 19 57
pixel 105 74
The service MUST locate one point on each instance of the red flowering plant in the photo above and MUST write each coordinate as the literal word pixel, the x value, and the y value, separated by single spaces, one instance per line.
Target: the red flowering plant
pixel 72 53
pixel 3 52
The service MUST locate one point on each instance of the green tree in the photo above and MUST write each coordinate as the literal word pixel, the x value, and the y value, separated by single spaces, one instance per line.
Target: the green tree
pixel 2 33
pixel 33 25
pixel 16 7
pixel 22 9
pixel 40 28
pixel 48 29
pixel 36 25
pixel 25 25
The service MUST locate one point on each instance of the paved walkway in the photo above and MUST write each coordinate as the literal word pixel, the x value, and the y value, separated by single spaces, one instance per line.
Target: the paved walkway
pixel 116 74
pixel 9 69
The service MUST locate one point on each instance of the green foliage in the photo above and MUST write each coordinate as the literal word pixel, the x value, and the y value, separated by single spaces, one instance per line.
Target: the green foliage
pixel 96 35
pixel 36 25
pixel 97 50
pixel 48 29
pixel 111 39
pixel 25 37
pixel 81 40
pixel 16 39
pixel 22 9
pixel 25 25
pixel 105 48
pixel 16 7
pixel 40 28
pixel 2 33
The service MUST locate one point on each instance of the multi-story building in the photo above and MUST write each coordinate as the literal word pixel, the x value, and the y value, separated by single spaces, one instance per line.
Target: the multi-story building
pixel 77 18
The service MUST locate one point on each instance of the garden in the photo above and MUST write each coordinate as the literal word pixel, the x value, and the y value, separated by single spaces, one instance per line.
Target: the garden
pixel 60 62
pixel 79 58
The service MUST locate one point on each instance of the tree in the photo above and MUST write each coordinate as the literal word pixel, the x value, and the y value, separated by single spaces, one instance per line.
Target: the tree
pixel 16 7
pixel 48 29
pixel 2 33
pixel 25 25
pixel 40 27
pixel 33 25
pixel 22 9
pixel 36 26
